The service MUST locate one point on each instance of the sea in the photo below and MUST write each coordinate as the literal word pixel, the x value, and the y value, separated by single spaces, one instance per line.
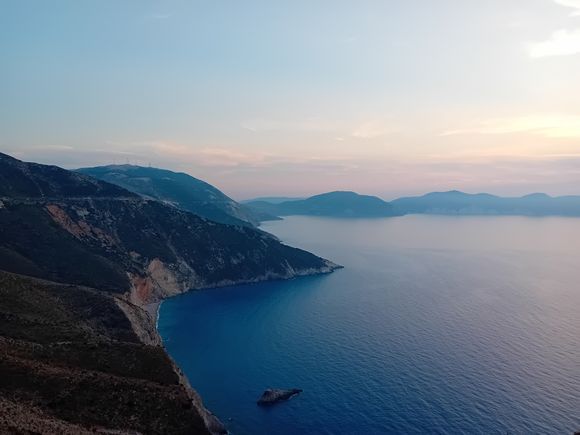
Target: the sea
pixel 436 325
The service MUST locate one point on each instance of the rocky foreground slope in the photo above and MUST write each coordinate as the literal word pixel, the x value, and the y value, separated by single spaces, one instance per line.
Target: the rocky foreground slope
pixel 72 362
pixel 84 352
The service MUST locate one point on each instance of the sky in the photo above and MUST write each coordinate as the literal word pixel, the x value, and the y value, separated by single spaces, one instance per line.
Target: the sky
pixel 271 97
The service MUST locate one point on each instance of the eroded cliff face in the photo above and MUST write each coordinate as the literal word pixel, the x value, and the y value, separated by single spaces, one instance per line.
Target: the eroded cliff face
pixel 160 282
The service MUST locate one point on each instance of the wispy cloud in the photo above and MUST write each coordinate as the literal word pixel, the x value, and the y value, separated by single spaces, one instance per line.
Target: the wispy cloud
pixel 366 129
pixel 308 124
pixel 562 43
pixel 575 4
pixel 550 126
pixel 372 129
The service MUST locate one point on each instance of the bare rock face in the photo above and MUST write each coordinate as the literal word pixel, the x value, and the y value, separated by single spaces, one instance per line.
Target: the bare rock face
pixel 272 396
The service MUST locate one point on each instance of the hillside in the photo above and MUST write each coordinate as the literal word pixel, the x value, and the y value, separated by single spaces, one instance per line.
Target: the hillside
pixel 332 204
pixel 72 363
pixel 131 252
pixel 178 189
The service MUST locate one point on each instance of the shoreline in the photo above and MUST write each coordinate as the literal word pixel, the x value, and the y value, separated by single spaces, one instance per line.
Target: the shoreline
pixel 213 423
pixel 153 308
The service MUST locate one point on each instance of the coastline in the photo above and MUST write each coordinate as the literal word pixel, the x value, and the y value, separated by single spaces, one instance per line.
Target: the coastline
pixel 153 310
pixel 212 422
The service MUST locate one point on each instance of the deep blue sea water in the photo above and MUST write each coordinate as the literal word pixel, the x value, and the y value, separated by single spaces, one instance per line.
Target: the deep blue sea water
pixel 436 325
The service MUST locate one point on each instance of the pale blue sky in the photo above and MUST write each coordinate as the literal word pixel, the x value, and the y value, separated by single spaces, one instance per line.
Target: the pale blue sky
pixel 294 98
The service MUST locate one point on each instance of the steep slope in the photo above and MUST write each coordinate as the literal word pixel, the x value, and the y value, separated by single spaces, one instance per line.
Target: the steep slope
pixel 81 358
pixel 123 241
pixel 177 189
pixel 459 203
pixel 72 363
pixel 333 204
pixel 31 180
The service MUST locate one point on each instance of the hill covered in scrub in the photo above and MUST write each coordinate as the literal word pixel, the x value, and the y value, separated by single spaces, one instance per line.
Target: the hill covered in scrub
pixel 180 190
pixel 82 350
pixel 73 363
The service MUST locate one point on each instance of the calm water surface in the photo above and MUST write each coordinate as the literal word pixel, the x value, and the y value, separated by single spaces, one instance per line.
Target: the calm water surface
pixel 436 325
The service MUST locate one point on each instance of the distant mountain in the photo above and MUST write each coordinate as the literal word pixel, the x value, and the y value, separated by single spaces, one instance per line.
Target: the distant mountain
pixel 84 355
pixel 350 204
pixel 271 199
pixel 459 203
pixel 180 190
pixel 333 204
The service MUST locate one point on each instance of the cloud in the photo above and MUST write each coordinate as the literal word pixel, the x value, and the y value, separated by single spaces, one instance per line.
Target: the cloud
pixel 224 157
pixel 310 124
pixel 575 4
pixel 550 126
pixel 371 130
pixel 562 43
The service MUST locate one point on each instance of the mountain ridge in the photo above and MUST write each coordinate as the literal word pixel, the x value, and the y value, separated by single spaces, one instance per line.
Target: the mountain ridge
pixel 177 189
pixel 453 202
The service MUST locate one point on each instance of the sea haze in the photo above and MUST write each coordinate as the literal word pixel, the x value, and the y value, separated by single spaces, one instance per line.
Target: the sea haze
pixel 436 324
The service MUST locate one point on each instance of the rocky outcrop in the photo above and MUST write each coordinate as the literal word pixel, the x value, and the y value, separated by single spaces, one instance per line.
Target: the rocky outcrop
pixel 272 396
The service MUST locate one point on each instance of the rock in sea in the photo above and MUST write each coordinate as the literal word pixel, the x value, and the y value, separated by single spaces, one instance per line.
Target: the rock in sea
pixel 272 396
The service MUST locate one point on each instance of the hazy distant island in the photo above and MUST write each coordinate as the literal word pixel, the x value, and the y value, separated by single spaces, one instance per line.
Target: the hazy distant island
pixel 353 205
pixel 335 204
pixel 272 199
pixel 460 203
